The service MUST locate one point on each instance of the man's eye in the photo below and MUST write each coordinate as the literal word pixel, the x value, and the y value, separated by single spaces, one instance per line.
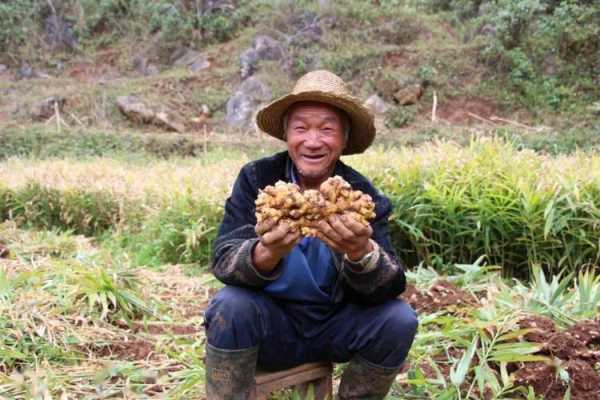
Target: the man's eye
pixel 300 129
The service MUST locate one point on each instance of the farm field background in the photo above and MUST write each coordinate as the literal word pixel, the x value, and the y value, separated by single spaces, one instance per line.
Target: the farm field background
pixel 107 276
pixel 487 116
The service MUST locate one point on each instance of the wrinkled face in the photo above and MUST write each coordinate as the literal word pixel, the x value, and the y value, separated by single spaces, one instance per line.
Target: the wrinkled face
pixel 315 140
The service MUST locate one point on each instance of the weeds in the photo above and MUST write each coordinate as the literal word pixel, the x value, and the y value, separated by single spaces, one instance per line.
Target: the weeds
pixel 451 204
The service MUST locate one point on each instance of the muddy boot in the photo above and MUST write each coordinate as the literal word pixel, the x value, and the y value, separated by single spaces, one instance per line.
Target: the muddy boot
pixel 229 373
pixel 365 381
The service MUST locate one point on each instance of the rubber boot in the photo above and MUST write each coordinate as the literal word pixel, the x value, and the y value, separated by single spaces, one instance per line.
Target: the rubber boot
pixel 366 381
pixel 229 373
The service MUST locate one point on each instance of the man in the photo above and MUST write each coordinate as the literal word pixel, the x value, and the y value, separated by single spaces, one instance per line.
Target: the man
pixel 291 299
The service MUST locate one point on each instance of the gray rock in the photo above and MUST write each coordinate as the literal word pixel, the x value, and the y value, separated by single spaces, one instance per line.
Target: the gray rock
pixel 550 64
pixel 306 29
pixel 138 111
pixel 377 105
pixel 58 34
pixel 152 69
pixel 199 64
pixel 263 48
pixel 484 8
pixel 144 67
pixel 488 30
pixel 248 62
pixel 249 97
pixel 325 6
pixel 46 108
pixel 409 94
pixel 25 71
pixel 267 48
pixel 594 108
pixel 192 59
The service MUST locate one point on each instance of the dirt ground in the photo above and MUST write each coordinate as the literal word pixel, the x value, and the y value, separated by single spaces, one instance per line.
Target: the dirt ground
pixel 575 350
pixel 442 295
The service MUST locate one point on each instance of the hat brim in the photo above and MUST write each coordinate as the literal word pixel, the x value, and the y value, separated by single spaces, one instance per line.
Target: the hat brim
pixel 362 130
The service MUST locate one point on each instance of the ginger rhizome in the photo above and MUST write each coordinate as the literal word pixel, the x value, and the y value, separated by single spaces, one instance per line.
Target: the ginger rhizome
pixel 286 202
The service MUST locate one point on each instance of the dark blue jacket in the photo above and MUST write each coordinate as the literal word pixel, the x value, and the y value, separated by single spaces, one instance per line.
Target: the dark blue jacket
pixel 232 250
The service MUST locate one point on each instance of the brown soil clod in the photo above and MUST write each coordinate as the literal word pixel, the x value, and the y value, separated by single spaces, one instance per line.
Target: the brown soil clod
pixel 467 109
pixel 573 348
pixel 542 328
pixel 588 332
pixel 127 350
pixel 4 252
pixel 442 295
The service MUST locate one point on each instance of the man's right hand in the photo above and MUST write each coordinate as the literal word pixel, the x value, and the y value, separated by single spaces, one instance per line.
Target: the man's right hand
pixel 276 240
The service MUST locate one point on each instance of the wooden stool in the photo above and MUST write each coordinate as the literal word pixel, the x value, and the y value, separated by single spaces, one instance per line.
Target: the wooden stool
pixel 300 377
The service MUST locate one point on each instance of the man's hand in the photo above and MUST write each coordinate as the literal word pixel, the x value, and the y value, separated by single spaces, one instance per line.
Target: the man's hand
pixel 276 240
pixel 345 235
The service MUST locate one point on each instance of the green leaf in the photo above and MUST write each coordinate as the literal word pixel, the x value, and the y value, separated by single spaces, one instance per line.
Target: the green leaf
pixel 458 372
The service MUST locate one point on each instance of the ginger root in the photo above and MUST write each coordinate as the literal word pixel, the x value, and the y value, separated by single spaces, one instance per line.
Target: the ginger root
pixel 285 202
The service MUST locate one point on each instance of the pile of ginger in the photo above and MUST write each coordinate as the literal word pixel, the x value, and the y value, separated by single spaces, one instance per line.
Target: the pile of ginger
pixel 285 202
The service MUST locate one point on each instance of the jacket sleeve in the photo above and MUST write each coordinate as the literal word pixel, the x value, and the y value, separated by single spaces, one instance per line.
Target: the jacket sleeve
pixel 232 250
pixel 386 280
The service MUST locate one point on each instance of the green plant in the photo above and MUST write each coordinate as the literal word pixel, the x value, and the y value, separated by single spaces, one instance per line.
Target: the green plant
pixel 400 116
pixel 110 292
pixel 587 292
pixel 180 233
pixel 19 22
pixel 83 212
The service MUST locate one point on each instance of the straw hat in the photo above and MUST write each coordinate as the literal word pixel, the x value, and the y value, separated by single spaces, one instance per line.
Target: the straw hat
pixel 324 87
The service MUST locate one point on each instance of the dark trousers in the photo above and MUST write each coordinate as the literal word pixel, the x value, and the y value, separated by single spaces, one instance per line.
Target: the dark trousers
pixel 290 334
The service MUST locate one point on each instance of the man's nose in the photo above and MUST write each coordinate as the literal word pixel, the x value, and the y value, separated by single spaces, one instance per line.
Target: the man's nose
pixel 313 138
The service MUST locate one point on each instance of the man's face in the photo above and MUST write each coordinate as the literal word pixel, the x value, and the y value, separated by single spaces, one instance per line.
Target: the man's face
pixel 315 140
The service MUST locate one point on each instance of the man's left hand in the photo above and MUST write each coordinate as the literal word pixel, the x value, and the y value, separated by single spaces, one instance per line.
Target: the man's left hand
pixel 345 235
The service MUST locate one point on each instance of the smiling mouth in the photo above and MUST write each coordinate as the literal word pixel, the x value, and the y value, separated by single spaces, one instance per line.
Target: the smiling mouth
pixel 313 158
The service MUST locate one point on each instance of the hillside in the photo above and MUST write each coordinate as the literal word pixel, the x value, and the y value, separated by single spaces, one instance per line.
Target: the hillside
pixel 524 70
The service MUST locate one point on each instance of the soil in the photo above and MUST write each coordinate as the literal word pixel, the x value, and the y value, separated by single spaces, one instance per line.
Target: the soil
pixel 576 349
pixel 442 295
pixel 159 329
pixel 588 332
pixel 169 329
pixel 542 328
pixel 464 110
pixel 87 71
pixel 397 59
pixel 132 350
pixel 154 390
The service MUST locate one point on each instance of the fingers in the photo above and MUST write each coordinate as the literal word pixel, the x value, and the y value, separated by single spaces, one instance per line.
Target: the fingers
pixel 282 237
pixel 356 227
pixel 339 225
pixel 275 234
pixel 325 228
pixel 329 242
pixel 265 226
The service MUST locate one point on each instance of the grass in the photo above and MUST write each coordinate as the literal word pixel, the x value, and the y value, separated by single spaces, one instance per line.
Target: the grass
pixel 105 284
pixel 66 305
pixel 77 321
pixel 452 204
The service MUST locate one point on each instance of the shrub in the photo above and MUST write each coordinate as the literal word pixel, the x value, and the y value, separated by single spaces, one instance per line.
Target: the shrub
pixel 83 212
pixel 180 232
pixel 19 19
pixel 518 209
pixel 400 116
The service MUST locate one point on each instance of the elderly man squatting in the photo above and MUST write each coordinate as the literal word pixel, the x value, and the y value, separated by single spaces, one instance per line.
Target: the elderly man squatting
pixel 291 299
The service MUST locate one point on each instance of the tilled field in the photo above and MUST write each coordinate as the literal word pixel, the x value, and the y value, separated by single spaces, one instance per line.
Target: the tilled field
pixel 79 322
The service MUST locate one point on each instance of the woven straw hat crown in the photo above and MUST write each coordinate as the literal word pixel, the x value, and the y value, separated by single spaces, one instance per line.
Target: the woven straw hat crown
pixel 323 87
